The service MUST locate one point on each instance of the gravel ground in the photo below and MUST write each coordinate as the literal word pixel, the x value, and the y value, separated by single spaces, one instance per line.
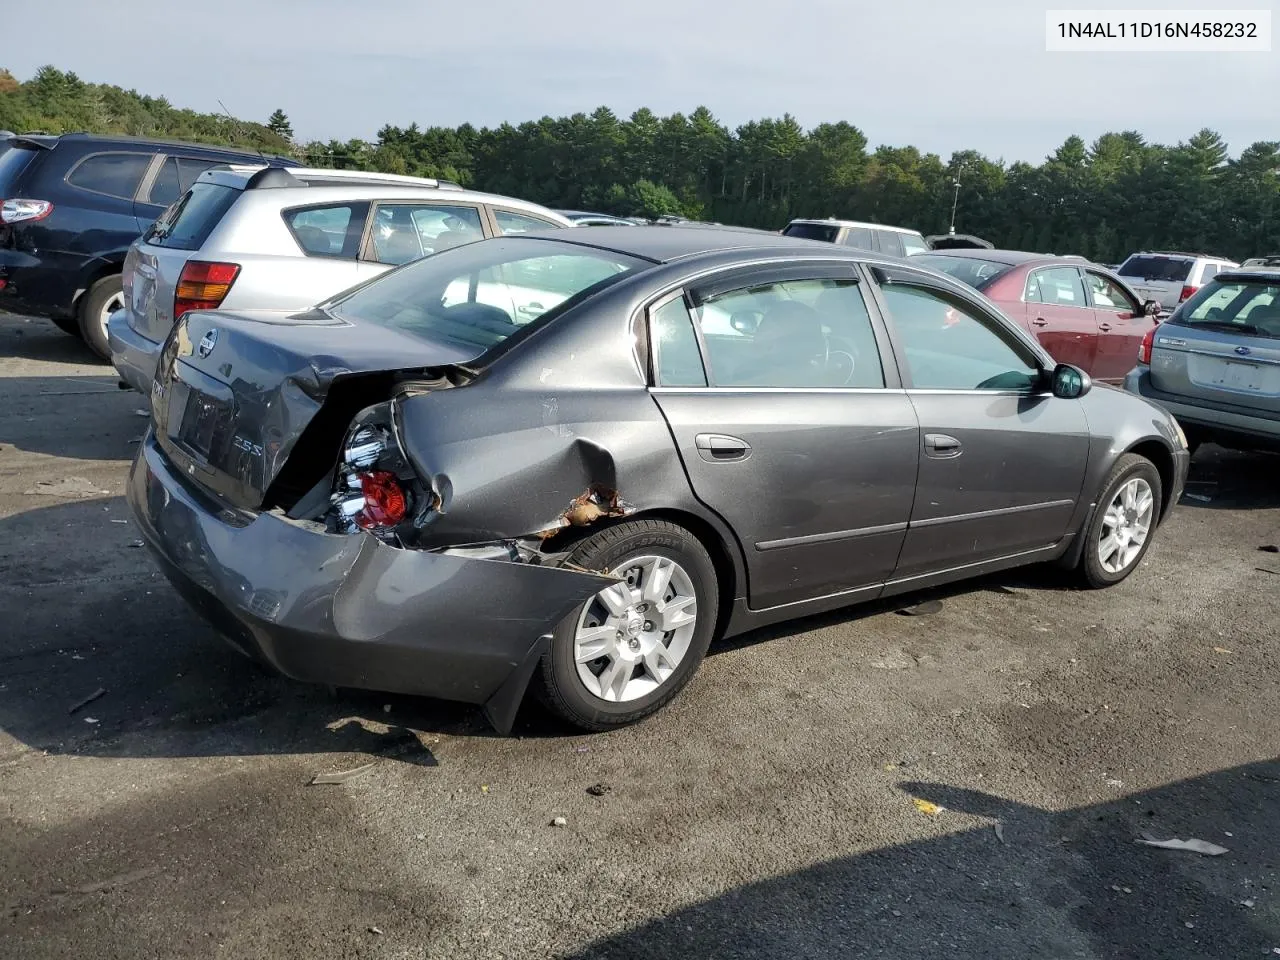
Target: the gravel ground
pixel 770 812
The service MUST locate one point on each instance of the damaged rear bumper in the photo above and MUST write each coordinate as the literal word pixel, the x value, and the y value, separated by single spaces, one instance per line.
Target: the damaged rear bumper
pixel 349 610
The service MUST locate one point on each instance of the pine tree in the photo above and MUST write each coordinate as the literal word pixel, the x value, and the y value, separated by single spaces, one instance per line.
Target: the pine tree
pixel 278 122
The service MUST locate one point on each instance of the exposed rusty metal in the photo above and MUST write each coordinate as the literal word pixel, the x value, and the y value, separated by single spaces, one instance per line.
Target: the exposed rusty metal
pixel 594 504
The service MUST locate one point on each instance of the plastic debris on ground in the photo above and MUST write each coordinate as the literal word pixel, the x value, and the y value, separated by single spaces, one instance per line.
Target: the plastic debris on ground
pixel 1203 847
pixel 375 931
pixel 560 822
pixel 926 807
pixel 999 829
pixel 341 776
pixel 924 609
pixel 599 789
pixel 81 704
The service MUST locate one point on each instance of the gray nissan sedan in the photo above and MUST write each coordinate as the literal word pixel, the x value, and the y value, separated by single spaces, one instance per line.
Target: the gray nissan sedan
pixel 569 461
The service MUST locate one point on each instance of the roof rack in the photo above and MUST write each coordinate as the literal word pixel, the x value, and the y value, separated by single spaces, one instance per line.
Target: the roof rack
pixel 370 176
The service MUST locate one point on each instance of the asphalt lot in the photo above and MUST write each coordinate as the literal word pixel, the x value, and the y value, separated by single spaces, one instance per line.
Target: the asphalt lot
pixel 769 812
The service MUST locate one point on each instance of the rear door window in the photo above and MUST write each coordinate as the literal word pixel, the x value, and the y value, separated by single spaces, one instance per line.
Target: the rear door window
pixel 112 174
pixel 406 231
pixel 859 237
pixel 1059 287
pixel 187 224
pixel 330 231
pixel 890 242
pixel 175 177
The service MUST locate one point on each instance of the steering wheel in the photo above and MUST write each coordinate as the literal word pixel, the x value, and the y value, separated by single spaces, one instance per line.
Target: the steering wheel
pixel 841 361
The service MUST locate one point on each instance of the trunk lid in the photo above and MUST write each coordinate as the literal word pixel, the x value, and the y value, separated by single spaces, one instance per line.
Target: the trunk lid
pixel 1212 364
pixel 234 392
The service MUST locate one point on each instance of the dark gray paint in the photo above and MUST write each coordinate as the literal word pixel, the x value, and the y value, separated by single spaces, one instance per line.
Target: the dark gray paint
pixel 826 510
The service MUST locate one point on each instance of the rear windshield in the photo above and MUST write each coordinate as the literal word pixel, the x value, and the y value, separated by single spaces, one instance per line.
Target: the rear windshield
pixel 971 270
pixel 812 231
pixel 1171 269
pixel 1237 306
pixel 12 162
pixel 479 294
pixel 186 225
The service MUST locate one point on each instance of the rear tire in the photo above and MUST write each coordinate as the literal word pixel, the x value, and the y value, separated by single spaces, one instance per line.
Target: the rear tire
pixel 1120 532
pixel 98 302
pixel 633 677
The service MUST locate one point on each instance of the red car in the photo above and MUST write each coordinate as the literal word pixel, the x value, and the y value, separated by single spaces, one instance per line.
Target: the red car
pixel 1081 313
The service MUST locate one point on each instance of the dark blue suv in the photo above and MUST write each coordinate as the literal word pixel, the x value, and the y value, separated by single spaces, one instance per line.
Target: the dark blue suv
pixel 70 206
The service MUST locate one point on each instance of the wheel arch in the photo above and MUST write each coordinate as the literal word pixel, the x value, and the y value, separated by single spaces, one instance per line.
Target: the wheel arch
pixel 719 543
pixel 1161 457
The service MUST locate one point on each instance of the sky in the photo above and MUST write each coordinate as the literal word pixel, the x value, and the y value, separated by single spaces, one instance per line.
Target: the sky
pixel 943 75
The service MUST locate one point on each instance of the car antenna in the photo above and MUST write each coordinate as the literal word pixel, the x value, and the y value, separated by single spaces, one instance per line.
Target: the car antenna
pixel 262 156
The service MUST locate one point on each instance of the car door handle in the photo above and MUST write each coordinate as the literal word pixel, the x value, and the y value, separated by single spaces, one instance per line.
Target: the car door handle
pixel 1104 327
pixel 719 448
pixel 1040 322
pixel 940 446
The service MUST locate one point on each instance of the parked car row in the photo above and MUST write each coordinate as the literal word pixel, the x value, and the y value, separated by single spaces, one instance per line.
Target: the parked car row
pixel 71 205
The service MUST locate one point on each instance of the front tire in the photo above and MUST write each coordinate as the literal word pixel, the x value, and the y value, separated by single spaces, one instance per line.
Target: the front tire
pixel 630 649
pixel 98 303
pixel 1120 532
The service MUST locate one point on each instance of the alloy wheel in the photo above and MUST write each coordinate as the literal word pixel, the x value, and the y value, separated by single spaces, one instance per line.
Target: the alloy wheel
pixel 1126 524
pixel 632 635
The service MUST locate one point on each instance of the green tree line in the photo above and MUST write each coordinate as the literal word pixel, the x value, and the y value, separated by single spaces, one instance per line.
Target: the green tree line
pixel 1102 199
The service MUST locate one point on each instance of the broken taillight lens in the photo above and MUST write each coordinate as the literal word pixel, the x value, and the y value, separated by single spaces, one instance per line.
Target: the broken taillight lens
pixel 385 504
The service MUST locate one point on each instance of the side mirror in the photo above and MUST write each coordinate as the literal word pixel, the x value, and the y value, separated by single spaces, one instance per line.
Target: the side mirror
pixel 1069 383
pixel 1152 308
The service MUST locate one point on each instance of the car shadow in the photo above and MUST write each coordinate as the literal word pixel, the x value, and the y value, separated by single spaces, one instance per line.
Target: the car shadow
pixel 99 656
pixel 1048 883
pixel 35 338
pixel 74 417
pixel 1223 479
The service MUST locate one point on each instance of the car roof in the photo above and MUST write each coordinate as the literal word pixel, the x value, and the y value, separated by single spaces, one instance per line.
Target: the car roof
pixel 51 140
pixel 321 186
pixel 1179 253
pixel 662 244
pixel 833 222
pixel 1011 258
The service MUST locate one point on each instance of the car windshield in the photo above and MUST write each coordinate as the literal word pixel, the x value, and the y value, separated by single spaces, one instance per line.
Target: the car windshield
pixel 1243 306
pixel 1169 269
pixel 480 294
pixel 971 270
pixel 812 231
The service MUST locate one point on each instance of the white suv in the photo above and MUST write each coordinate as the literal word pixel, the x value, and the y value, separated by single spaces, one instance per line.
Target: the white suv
pixel 1170 278
pixel 877 237
pixel 269 239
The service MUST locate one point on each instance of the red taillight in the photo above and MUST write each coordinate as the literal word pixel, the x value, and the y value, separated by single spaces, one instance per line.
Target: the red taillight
pixel 1144 350
pixel 24 211
pixel 203 286
pixel 1187 292
pixel 384 501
